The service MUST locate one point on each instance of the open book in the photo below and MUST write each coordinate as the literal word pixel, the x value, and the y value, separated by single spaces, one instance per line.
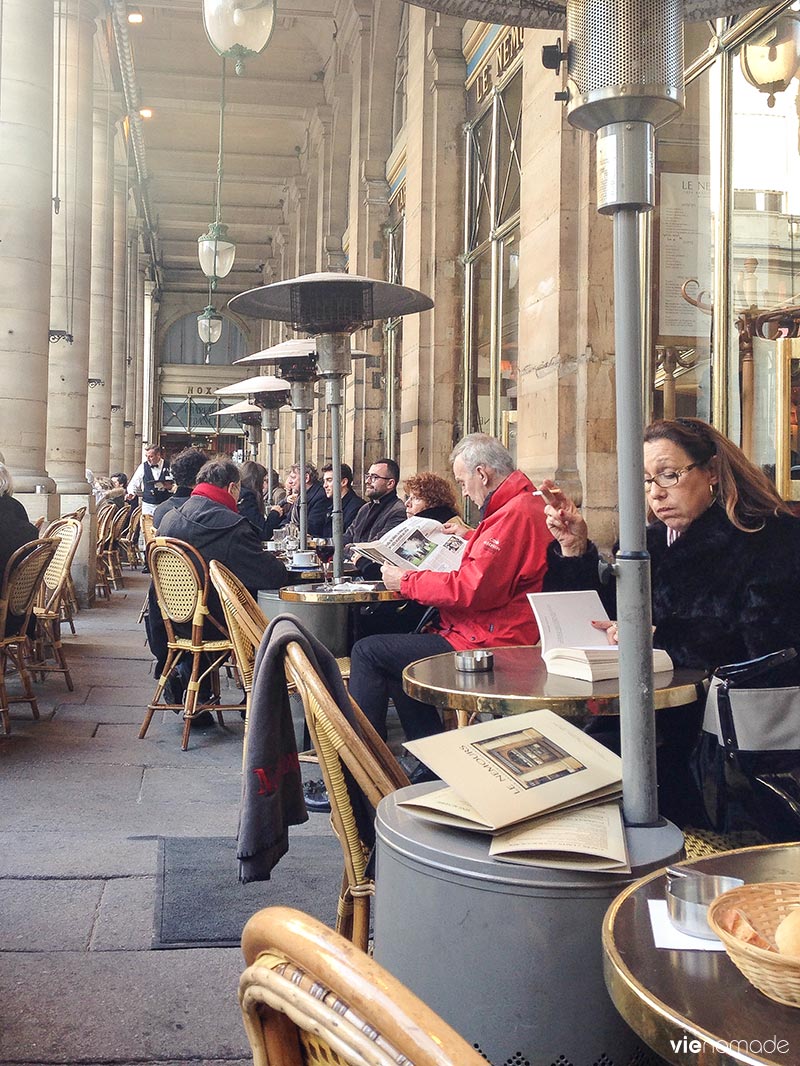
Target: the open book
pixel 506 771
pixel 416 544
pixel 571 646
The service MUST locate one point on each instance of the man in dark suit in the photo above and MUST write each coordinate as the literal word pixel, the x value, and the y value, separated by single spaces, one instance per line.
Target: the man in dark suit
pixel 351 502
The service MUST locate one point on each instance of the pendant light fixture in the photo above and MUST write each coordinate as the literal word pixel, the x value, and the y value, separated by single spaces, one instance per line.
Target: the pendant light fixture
pixel 215 251
pixel 239 29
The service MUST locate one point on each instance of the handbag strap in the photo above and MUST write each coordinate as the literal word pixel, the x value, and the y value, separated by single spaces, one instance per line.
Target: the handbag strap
pixel 736 674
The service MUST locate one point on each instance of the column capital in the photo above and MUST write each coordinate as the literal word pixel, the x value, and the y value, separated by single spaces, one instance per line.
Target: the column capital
pixel 373 178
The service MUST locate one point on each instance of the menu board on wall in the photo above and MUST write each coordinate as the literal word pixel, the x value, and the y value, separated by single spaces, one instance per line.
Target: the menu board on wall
pixel 684 253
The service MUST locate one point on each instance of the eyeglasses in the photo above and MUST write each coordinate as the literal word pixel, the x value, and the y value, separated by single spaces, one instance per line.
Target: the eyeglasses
pixel 667 479
pixel 377 477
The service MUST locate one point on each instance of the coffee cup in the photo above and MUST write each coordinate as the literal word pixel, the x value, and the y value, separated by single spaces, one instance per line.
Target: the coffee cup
pixel 304 559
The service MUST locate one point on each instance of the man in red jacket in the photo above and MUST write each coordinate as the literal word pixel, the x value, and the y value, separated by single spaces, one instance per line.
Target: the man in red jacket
pixel 482 604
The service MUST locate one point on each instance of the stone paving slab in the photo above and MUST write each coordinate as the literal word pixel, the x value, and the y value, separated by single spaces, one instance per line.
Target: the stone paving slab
pixel 116 1007
pixel 125 916
pixel 48 915
pixel 56 853
pixel 36 796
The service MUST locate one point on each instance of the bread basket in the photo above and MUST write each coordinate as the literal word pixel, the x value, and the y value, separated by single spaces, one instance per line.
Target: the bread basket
pixel 765 906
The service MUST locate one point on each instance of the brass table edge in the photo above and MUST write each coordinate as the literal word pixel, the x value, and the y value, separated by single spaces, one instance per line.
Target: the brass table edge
pixel 633 1001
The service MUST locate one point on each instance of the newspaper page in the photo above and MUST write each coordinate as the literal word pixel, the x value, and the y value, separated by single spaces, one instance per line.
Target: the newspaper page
pixel 416 544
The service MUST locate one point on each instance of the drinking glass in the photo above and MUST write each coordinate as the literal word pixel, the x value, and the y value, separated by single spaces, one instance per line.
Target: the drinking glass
pixel 325 551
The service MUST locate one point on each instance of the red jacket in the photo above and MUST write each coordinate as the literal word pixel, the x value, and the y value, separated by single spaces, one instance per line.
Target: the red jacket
pixel 483 604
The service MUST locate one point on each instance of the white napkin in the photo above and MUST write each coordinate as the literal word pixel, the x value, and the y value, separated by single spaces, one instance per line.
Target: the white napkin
pixel 665 935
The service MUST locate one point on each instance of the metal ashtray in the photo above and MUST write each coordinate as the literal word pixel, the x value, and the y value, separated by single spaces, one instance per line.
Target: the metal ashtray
pixel 479 661
pixel 689 893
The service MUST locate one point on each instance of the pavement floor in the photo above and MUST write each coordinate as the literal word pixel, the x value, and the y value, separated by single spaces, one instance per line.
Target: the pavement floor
pixel 82 804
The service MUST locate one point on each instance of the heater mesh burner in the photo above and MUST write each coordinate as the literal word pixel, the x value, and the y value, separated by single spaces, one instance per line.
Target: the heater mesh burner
pixel 331 307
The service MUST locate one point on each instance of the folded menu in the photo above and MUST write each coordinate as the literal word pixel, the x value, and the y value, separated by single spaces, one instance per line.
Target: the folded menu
pixel 589 838
pixel 510 770
pixel 571 646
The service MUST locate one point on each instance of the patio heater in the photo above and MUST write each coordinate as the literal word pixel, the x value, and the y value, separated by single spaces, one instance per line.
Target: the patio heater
pixel 268 396
pixel 249 418
pixel 331 306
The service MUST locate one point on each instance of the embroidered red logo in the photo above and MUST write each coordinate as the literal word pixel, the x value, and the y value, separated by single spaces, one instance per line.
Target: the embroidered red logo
pixel 492 544
pixel 270 782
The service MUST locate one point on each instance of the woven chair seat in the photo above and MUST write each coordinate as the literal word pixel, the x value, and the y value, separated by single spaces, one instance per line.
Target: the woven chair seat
pixel 186 644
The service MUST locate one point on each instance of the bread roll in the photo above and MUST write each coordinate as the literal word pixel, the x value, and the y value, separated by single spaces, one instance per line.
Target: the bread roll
pixel 736 922
pixel 787 935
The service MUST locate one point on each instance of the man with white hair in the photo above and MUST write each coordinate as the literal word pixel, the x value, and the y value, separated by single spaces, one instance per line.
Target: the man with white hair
pixel 482 604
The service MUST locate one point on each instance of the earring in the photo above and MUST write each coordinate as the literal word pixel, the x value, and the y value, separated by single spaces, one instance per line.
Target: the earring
pixel 712 488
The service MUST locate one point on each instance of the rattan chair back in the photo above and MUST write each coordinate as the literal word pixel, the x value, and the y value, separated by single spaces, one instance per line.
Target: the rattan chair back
pixel 21 580
pixel 181 584
pixel 39 522
pixel 53 587
pixel 148 531
pixel 373 769
pixel 309 999
pixel 245 620
pixel 80 514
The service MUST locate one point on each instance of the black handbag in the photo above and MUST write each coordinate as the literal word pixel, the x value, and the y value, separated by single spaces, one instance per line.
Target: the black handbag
pixel 747 762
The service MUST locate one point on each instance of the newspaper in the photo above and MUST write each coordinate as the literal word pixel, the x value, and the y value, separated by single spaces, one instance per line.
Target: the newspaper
pixel 416 544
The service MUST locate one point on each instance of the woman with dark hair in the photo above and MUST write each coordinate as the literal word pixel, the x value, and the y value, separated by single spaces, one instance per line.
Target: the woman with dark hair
pixel 185 468
pixel 251 496
pixel 725 572
pixel 430 496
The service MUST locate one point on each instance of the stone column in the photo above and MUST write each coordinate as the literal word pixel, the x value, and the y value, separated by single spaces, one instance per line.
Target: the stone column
pixel 138 358
pixel 118 347
pixel 432 342
pixel 26 166
pixel 70 285
pixel 98 414
pixel 132 457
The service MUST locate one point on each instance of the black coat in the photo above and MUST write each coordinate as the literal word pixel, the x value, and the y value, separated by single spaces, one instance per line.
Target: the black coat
pixel 177 499
pixel 15 529
pixel 247 505
pixel 317 508
pixel 351 505
pixel 719 595
pixel 222 534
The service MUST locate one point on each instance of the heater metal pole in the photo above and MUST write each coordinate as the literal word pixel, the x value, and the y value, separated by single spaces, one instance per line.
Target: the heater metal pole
pixel 634 616
pixel 301 425
pixel 270 465
pixel 333 401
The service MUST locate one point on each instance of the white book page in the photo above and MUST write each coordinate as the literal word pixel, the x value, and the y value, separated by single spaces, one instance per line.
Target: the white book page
pixel 565 620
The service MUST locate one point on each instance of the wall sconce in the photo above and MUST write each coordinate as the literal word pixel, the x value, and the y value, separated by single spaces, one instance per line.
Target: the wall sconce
pixel 237 29
pixel 61 335
pixel 94 382
pixel 771 58
pixel 116 407
pixel 135 17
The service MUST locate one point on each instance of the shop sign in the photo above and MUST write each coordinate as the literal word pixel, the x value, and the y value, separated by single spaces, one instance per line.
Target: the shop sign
pixel 491 72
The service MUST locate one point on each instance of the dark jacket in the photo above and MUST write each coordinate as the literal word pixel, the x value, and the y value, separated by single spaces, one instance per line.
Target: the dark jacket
pixel 15 529
pixel 370 523
pixel 719 595
pixel 219 533
pixel 351 505
pixel 317 507
pixel 442 513
pixel 376 518
pixel 177 499
pixel 247 505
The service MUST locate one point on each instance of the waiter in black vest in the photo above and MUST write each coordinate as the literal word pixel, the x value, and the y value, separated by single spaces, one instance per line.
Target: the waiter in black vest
pixel 152 480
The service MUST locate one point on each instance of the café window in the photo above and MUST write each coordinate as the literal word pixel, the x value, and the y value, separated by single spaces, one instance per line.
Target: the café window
pixel 196 416
pixel 182 345
pixel 494 142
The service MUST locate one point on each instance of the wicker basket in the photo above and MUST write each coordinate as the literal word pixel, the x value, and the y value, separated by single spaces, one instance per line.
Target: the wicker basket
pixel 765 905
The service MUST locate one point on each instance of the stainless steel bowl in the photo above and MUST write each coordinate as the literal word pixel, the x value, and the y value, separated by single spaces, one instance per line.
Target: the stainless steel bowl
pixel 689 893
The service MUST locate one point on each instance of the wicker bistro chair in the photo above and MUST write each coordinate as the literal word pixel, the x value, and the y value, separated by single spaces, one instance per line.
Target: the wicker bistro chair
pixel 180 580
pixel 20 582
pixel 129 538
pixel 39 522
pixel 310 998
pixel 102 573
pixel 50 601
pixel 69 598
pixel 372 768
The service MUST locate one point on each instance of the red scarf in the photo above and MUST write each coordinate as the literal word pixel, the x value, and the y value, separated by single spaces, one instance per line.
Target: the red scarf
pixel 212 492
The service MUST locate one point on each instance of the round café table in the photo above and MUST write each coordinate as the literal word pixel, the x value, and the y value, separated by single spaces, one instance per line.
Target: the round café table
pixel 520 682
pixel 323 613
pixel 695 1007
